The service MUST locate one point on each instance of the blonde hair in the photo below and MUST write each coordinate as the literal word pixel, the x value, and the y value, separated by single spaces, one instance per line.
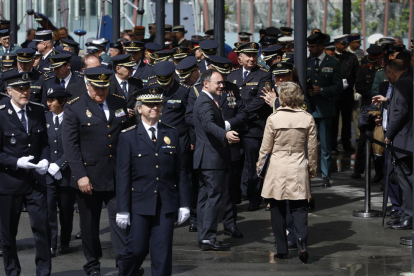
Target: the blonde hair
pixel 290 94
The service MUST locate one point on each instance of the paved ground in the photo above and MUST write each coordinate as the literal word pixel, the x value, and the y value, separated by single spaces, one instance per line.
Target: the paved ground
pixel 339 244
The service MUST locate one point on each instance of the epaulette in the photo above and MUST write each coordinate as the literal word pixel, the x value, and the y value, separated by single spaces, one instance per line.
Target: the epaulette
pixel 5 70
pixel 185 85
pixel 264 69
pixel 168 126
pixel 129 128
pixel 78 72
pixel 39 104
pixel 49 78
pixel 197 83
pixel 119 96
pixel 153 76
pixel 73 100
pixel 381 69
pixel 151 83
pixel 2 106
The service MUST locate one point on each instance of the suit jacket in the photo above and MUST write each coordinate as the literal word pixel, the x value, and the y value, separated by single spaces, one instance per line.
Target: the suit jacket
pixel 15 142
pixel 140 70
pixel 146 169
pixel 134 85
pixel 77 89
pixel 328 77
pixel 400 114
pixel 56 152
pixel 90 140
pixel 212 149
pixel 250 91
pixel 349 71
pixel 202 65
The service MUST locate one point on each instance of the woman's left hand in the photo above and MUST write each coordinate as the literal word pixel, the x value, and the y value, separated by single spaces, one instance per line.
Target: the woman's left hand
pixel 269 96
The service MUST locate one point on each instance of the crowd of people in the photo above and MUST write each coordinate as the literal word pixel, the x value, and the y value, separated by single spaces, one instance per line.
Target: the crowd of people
pixel 168 133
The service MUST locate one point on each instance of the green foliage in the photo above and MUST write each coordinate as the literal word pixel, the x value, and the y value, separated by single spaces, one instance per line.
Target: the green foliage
pixel 227 10
pixel 336 21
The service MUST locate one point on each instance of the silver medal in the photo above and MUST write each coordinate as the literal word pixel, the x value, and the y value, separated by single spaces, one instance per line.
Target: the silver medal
pixel 13 141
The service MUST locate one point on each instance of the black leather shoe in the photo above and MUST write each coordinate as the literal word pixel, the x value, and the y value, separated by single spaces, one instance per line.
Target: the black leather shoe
pixel 292 245
pixel 1 252
pixel 267 208
pixel 94 272
pixel 377 179
pixel 78 236
pixel 281 255
pixel 406 223
pixel 24 209
pixel 396 215
pixel 52 252
pixel 355 175
pixel 392 222
pixel 302 251
pixel 63 248
pixel 233 232
pixel 213 244
pixel 244 197
pixel 253 207
pixel 406 241
pixel 192 228
pixel 326 183
pixel 141 271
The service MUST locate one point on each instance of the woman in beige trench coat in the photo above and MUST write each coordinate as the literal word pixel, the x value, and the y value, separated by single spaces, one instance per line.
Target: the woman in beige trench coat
pixel 287 132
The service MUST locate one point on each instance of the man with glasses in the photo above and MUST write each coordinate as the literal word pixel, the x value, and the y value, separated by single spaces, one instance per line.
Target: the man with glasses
pixel 325 74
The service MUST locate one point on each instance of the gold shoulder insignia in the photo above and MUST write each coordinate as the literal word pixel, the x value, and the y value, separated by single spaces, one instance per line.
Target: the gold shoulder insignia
pixel 119 96
pixel 151 77
pixel 39 104
pixel 74 100
pixel 185 85
pixel 49 78
pixel 264 69
pixel 78 72
pixel 129 128
pixel 168 126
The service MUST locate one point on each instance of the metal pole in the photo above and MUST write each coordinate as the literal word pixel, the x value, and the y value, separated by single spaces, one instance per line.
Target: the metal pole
pixel 363 24
pixel 300 22
pixel 252 18
pixel 219 26
pixel 387 6
pixel 13 21
pixel 205 10
pixel 176 12
pixel 160 22
pixel 289 13
pixel 30 17
pixel 410 27
pixel 135 13
pixel 325 8
pixel 238 19
pixel 116 19
pixel 346 21
pixel 270 13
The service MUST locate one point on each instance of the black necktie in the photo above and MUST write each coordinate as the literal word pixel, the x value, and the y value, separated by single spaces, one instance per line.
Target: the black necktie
pixel 124 83
pixel 23 119
pixel 153 138
pixel 102 109
pixel 316 62
pixel 56 123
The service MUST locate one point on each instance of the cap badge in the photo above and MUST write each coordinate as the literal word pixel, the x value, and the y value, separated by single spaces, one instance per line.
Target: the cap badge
pixel 279 65
pixel 24 54
pixel 154 90
pixel 7 57
pixel 25 77
pixel 181 71
pixel 88 113
pixel 253 46
pixel 131 58
pixel 226 65
pixel 102 77
pixel 132 44
pixel 167 140
pixel 50 91
pixel 156 55
pixel 179 50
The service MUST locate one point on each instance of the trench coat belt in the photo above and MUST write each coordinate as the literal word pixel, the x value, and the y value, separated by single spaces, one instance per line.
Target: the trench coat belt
pixel 287 148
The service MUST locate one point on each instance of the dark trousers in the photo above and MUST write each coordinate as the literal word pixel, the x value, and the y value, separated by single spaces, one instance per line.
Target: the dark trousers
pixel 394 191
pixel 343 108
pixel 230 194
pixel 278 218
pixel 152 234
pixel 193 197
pixel 211 185
pixel 90 207
pixel 10 211
pixel 251 148
pixel 324 126
pixel 403 170
pixel 63 197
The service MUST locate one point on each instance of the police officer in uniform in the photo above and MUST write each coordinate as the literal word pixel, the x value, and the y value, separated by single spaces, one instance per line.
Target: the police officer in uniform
pixel 97 47
pixel 24 152
pixel 208 47
pixel 73 47
pixel 44 44
pixel 136 49
pixel 251 80
pixel 188 71
pixel 59 191
pixel 8 62
pixel 91 128
pixel 325 75
pixel 151 186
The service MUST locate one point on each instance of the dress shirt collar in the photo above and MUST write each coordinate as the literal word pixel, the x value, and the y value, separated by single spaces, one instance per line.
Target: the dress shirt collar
pixel 6 49
pixel 350 50
pixel 136 66
pixel 60 116
pixel 48 53
pixel 16 108
pixel 67 79
pixel 209 95
pixel 321 57
pixel 147 126
pixel 120 81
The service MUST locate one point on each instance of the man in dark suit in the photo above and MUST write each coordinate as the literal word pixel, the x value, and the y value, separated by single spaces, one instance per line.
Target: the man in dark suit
pixel 399 133
pixel 64 76
pixel 23 162
pixel 79 88
pixel 59 191
pixel 122 83
pixel 151 187
pixel 233 109
pixel 211 158
pixel 251 79
pixel 325 75
pixel 91 128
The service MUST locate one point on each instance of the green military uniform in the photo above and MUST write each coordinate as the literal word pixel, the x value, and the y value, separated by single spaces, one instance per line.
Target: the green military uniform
pixel 327 76
pixel 379 77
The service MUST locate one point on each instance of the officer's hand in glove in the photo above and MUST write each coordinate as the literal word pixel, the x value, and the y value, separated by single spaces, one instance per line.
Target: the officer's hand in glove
pixel 53 169
pixel 24 163
pixel 122 219
pixel 183 215
pixel 58 175
pixel 42 167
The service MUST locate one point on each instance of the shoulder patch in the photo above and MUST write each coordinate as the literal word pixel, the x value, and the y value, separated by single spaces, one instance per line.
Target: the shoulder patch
pixel 2 106
pixel 39 104
pixel 264 69
pixel 78 72
pixel 129 128
pixel 185 85
pixel 153 76
pixel 168 126
pixel 119 96
pixel 73 100
pixel 49 78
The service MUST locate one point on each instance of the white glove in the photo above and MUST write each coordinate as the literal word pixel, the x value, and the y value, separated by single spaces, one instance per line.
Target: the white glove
pixel 345 83
pixel 122 219
pixel 357 97
pixel 42 167
pixel 58 175
pixel 183 215
pixel 53 169
pixel 23 162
